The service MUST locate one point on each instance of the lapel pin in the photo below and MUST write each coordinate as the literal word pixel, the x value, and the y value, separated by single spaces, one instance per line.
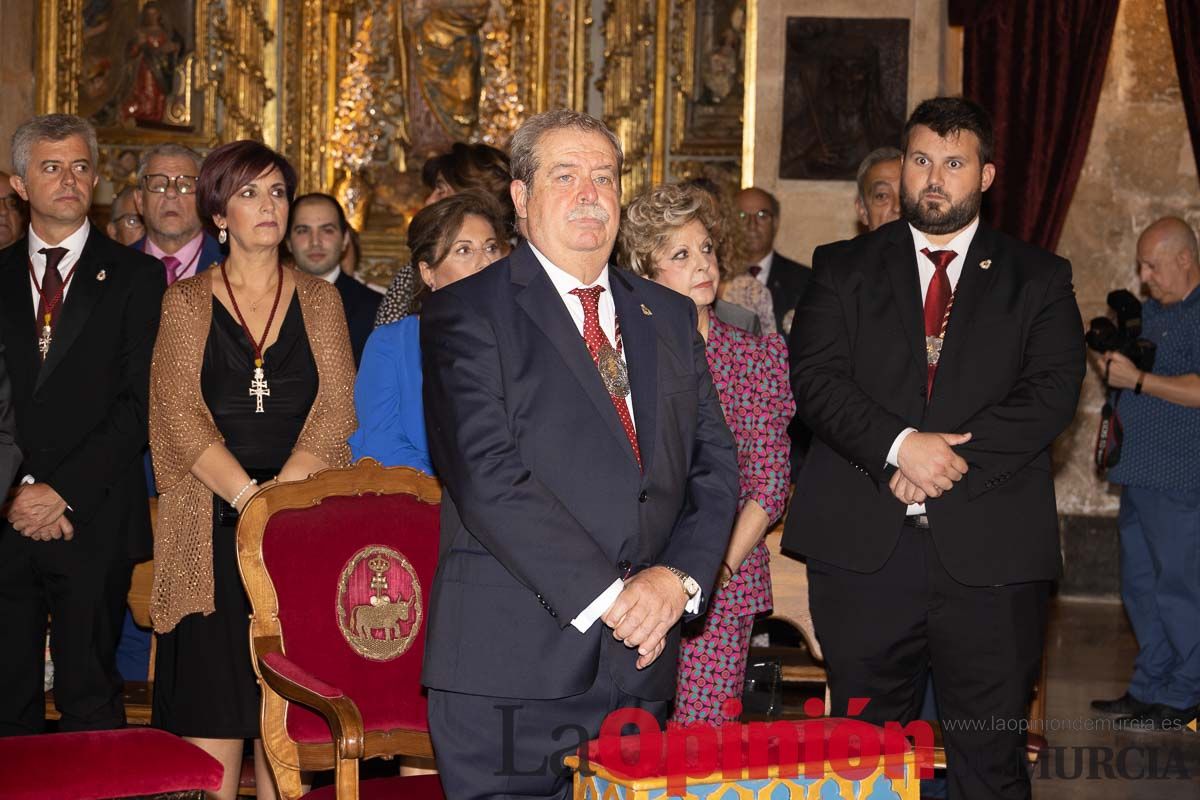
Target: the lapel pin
pixel 987 262
pixel 101 275
pixel 646 311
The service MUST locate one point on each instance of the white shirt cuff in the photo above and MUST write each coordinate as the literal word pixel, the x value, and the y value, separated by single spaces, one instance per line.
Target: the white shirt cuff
pixel 693 603
pixel 598 607
pixel 893 455
pixel 28 480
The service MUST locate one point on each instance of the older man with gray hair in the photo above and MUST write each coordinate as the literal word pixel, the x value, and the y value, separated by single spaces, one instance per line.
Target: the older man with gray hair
pixel 878 199
pixel 590 480
pixel 80 314
pixel 166 199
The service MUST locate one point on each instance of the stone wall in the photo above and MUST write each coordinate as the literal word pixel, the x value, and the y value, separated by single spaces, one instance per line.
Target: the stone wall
pixel 16 70
pixel 1139 167
pixel 816 212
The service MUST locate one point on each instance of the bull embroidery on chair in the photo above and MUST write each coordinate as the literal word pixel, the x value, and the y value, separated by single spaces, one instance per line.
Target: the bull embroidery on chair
pixel 379 604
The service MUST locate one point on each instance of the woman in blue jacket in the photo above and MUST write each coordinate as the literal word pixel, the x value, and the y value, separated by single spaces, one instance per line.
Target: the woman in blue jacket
pixel 449 240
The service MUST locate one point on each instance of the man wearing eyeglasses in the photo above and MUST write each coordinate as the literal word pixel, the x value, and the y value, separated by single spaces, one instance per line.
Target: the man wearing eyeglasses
pixel 166 199
pixel 12 220
pixel 125 223
pixel 758 211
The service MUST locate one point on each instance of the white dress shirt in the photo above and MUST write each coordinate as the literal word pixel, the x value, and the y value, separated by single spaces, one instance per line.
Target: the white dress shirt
pixel 74 245
pixel 959 244
pixel 564 282
pixel 764 268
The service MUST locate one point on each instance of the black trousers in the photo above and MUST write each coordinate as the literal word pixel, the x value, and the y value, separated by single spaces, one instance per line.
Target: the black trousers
pixel 84 594
pixel 883 632
pixel 501 748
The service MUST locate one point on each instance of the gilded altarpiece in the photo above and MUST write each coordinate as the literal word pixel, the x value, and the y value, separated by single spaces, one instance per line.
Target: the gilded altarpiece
pixel 372 89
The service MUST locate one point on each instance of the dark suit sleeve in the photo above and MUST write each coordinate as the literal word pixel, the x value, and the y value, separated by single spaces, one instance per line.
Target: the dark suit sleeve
pixel 84 477
pixel 827 397
pixel 701 533
pixel 520 522
pixel 10 454
pixel 1008 435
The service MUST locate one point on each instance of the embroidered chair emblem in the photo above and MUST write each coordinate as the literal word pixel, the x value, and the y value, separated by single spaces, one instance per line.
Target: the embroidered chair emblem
pixel 379 603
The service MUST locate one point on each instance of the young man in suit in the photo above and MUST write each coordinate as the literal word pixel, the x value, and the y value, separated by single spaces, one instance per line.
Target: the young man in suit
pixel 937 361
pixel 318 234
pixel 78 318
pixel 586 510
pixel 759 212
pixel 166 199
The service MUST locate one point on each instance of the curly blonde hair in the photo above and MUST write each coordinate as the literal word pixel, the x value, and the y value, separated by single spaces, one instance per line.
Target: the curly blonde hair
pixel 654 215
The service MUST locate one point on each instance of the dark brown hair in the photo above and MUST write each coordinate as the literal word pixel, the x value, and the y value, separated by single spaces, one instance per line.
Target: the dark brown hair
pixel 475 166
pixel 948 116
pixel 432 230
pixel 230 167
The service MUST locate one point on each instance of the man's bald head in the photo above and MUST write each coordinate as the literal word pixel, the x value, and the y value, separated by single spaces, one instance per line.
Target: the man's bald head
pixel 1168 259
pixel 12 221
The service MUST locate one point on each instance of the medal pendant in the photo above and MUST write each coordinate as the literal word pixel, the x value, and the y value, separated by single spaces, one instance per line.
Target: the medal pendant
pixel 259 389
pixel 933 350
pixel 44 341
pixel 613 371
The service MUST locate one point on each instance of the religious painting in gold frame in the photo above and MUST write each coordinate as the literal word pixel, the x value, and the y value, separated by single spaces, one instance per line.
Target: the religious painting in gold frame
pixel 709 55
pixel 131 67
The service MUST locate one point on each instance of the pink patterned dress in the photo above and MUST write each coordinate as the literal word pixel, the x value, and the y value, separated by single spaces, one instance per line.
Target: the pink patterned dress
pixel 751 377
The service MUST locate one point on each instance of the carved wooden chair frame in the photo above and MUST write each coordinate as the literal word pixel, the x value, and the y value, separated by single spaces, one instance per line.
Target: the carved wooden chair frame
pixel 350 744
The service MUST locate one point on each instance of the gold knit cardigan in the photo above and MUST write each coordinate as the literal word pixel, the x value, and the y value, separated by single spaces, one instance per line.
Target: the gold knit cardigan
pixel 182 428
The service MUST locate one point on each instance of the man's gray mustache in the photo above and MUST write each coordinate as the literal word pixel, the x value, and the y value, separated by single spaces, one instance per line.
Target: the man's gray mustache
pixel 588 212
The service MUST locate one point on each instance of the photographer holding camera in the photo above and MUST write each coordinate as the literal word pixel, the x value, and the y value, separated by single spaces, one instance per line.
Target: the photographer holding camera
pixel 1158 468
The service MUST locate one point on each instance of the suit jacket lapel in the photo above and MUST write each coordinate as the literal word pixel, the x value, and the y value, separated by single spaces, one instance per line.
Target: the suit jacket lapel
pixel 541 301
pixel 974 283
pixel 640 342
pixel 81 298
pixel 17 317
pixel 900 263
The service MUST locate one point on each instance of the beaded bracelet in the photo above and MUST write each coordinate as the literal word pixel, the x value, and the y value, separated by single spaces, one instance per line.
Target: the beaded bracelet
pixel 238 496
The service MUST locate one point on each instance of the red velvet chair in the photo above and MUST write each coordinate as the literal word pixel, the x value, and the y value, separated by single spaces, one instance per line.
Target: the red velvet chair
pixel 338 569
pixel 133 762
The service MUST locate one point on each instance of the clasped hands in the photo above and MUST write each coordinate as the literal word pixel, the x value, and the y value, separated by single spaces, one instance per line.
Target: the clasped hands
pixel 651 602
pixel 39 513
pixel 929 466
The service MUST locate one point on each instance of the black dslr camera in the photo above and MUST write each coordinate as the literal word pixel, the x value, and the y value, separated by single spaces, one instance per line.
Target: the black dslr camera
pixel 1125 335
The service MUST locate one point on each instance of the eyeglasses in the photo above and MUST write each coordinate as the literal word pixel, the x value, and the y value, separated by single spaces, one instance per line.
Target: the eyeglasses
pixel 762 215
pixel 11 201
pixel 128 221
pixel 184 184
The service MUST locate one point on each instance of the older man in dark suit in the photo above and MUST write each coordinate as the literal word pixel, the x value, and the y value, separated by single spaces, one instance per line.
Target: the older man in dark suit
pixel 590 479
pixel 937 361
pixel 78 318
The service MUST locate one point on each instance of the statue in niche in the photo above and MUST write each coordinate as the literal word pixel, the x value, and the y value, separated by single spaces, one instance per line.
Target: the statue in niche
pixel 445 44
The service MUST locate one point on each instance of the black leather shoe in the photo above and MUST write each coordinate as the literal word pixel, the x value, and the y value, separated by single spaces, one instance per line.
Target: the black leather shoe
pixel 1159 718
pixel 1126 705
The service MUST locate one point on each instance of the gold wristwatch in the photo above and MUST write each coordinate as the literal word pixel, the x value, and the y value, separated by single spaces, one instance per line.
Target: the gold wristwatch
pixel 689 583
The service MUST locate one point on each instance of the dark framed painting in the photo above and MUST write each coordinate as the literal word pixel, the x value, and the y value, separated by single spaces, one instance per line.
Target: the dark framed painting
pixel 709 57
pixel 845 94
pixel 131 67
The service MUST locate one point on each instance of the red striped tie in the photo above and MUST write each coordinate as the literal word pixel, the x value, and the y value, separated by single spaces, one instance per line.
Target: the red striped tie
pixel 594 338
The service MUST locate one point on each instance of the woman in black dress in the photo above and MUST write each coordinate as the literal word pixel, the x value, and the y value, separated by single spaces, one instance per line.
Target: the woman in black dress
pixel 251 383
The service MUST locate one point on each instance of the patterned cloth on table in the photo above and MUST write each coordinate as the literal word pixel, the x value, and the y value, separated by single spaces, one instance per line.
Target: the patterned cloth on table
pixel 750 375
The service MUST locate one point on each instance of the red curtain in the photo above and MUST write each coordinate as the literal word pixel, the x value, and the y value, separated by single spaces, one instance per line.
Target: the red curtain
pixel 1183 18
pixel 1037 67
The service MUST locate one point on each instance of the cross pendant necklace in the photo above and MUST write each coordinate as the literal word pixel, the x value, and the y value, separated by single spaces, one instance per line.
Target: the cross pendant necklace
pixel 258 384
pixel 49 304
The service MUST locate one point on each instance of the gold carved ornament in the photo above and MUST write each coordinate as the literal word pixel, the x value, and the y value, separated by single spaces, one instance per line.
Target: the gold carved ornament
pixel 381 624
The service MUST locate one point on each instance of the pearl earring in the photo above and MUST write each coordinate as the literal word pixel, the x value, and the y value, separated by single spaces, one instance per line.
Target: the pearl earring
pixel 222 237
